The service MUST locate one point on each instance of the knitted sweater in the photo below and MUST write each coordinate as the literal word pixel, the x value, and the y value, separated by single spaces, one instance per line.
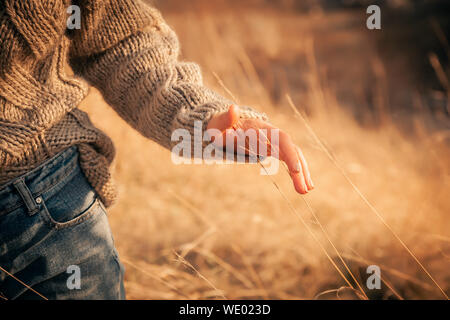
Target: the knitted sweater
pixel 125 49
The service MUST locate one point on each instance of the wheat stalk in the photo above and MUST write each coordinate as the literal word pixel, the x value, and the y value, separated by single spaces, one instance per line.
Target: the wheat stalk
pixel 361 195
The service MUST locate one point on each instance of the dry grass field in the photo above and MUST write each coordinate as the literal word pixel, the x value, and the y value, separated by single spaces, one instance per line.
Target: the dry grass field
pixel 225 231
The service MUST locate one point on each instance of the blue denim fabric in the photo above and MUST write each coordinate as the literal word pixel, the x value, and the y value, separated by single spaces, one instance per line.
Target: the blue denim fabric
pixel 51 219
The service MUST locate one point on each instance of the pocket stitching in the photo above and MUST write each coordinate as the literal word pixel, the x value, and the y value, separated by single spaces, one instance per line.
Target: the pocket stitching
pixel 88 213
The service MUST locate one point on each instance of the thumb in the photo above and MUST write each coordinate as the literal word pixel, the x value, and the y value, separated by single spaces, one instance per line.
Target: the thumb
pixel 225 120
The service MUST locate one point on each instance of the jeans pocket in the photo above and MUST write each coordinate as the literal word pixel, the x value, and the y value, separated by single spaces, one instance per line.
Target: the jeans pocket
pixel 95 208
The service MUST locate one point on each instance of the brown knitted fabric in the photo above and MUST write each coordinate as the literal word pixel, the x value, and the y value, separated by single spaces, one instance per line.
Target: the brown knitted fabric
pixel 125 49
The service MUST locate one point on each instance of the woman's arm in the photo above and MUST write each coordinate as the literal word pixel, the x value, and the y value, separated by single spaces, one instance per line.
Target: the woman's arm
pixel 126 50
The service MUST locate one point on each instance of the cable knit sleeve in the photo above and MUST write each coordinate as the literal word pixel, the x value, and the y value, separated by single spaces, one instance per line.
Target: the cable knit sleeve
pixel 126 50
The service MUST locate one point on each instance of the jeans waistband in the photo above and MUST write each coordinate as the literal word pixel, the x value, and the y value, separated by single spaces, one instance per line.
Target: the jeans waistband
pixel 25 189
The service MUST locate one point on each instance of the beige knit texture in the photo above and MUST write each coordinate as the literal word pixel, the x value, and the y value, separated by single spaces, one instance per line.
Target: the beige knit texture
pixel 125 49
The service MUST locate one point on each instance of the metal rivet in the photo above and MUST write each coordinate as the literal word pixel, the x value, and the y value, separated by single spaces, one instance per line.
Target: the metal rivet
pixel 38 200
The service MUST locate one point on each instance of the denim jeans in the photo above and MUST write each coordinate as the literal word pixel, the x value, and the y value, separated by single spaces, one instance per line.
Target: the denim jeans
pixel 55 237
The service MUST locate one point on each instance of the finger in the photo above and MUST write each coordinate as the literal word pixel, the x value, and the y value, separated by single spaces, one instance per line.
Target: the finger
pixel 288 153
pixel 225 120
pixel 263 132
pixel 305 168
pixel 299 182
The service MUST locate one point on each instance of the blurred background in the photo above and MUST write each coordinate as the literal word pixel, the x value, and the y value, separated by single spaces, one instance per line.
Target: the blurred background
pixel 377 101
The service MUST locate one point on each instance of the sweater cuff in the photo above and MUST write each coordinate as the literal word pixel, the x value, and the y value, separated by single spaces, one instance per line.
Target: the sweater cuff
pixel 196 121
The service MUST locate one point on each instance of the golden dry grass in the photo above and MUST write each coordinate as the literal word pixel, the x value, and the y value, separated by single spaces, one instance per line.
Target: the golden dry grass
pixel 194 231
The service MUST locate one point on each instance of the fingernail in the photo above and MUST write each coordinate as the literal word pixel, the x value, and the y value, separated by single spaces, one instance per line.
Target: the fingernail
pixel 305 187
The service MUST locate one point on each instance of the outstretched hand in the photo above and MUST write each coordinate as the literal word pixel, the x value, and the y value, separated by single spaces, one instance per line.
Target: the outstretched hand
pixel 229 122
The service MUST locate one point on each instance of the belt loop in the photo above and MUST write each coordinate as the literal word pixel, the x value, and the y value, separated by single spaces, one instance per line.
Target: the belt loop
pixel 26 195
